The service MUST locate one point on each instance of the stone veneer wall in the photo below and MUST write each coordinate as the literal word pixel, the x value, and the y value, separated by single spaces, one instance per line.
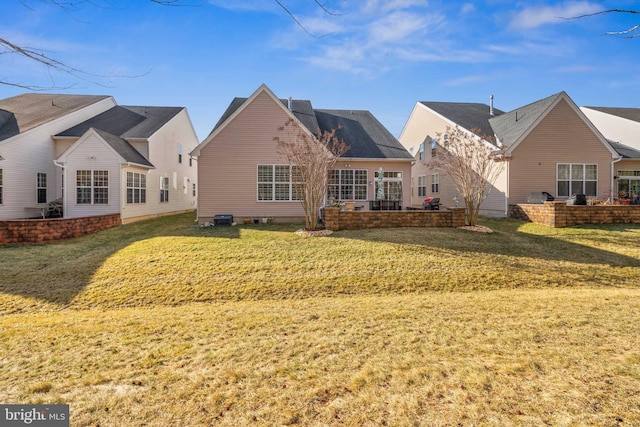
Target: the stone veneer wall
pixel 558 214
pixel 335 219
pixel 49 230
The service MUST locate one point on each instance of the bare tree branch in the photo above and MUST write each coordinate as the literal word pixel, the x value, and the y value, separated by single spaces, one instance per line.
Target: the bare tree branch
pixel 629 33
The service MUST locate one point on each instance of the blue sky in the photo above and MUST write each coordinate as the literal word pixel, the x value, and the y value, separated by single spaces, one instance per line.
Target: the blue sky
pixel 377 55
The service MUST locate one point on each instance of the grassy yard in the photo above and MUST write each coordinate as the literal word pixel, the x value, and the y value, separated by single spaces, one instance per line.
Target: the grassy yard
pixel 163 323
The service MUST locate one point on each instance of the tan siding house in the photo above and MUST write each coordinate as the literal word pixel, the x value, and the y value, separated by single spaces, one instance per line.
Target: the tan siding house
pixel 546 146
pixel 241 172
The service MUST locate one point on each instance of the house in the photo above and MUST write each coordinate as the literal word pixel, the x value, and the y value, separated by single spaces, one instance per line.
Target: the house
pixel 107 159
pixel 546 146
pixel 621 126
pixel 242 173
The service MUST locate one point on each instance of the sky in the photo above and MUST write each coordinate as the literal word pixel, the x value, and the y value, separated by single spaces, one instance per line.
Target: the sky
pixel 376 55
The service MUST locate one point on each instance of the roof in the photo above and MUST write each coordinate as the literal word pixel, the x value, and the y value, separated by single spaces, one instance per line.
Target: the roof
pixel 128 122
pixel 21 113
pixel 124 149
pixel 300 108
pixel 366 136
pixel 626 113
pixel 510 127
pixel 470 116
pixel 625 151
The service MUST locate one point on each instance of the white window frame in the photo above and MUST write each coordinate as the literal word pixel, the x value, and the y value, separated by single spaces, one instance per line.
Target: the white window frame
pixel 390 179
pixel 422 186
pixel 435 183
pixel 95 194
pixel 136 188
pixel 277 183
pixel 421 151
pixel 41 187
pixel 572 181
pixel 164 189
pixel 348 184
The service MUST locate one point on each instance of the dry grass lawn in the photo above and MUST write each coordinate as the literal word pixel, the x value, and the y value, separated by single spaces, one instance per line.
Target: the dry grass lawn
pixel 161 323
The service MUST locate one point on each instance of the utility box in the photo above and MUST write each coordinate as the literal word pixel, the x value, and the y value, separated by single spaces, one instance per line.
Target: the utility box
pixel 222 220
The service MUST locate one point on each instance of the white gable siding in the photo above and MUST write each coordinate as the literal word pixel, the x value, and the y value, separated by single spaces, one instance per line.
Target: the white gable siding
pixel 34 151
pixel 91 153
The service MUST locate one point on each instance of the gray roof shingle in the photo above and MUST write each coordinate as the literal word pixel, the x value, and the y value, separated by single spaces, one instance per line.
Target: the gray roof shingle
pixel 124 149
pixel 366 136
pixel 126 121
pixel 509 127
pixel 470 116
pixel 625 151
pixel 24 112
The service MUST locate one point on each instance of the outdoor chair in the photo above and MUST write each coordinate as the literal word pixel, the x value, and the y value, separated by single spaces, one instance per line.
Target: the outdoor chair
pixel 431 204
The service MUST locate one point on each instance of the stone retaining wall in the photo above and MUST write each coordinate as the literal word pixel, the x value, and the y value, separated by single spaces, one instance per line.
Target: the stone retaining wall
pixel 335 219
pixel 49 230
pixel 559 214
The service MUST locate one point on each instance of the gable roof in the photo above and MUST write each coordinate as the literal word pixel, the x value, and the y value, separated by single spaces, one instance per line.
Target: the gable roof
pixel 128 122
pixel 632 114
pixel 300 108
pixel 466 114
pixel 21 113
pixel 124 149
pixel 366 136
pixel 511 126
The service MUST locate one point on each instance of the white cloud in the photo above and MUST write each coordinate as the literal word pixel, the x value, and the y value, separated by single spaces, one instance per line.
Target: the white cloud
pixel 464 81
pixel 396 27
pixel 533 17
pixel 374 6
pixel 467 8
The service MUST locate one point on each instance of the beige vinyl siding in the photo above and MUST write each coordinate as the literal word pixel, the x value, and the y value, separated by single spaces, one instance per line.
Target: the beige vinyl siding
pixel 34 151
pixel 228 165
pixel 561 137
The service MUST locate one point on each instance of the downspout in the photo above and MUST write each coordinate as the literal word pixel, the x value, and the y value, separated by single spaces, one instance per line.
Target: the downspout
pixel 506 196
pixel 613 162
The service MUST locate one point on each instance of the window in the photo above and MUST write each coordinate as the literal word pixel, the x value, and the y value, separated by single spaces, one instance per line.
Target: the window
pixel 348 184
pixel 164 189
pixel 434 145
pixel 422 186
pixel 575 178
pixel 391 184
pixel 41 187
pixel 136 188
pixel 421 152
pixel 92 187
pixel 194 190
pixel 435 183
pixel 279 183
pixel 179 153
pixel 1 186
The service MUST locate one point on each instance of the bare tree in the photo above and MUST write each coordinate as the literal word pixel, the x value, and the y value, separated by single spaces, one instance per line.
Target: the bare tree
pixel 629 33
pixel 467 160
pixel 310 158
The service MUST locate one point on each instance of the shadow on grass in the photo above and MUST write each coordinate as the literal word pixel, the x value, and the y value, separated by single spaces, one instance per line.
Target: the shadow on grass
pixel 510 239
pixel 57 272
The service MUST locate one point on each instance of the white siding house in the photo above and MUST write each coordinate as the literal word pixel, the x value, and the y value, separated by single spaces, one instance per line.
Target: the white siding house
pixel 27 151
pixel 95 156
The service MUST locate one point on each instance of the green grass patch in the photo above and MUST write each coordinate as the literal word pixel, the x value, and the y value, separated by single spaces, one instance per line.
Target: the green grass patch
pixel 165 323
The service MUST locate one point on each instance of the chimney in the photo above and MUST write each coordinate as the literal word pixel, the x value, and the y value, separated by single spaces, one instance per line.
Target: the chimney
pixel 290 104
pixel 491 106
